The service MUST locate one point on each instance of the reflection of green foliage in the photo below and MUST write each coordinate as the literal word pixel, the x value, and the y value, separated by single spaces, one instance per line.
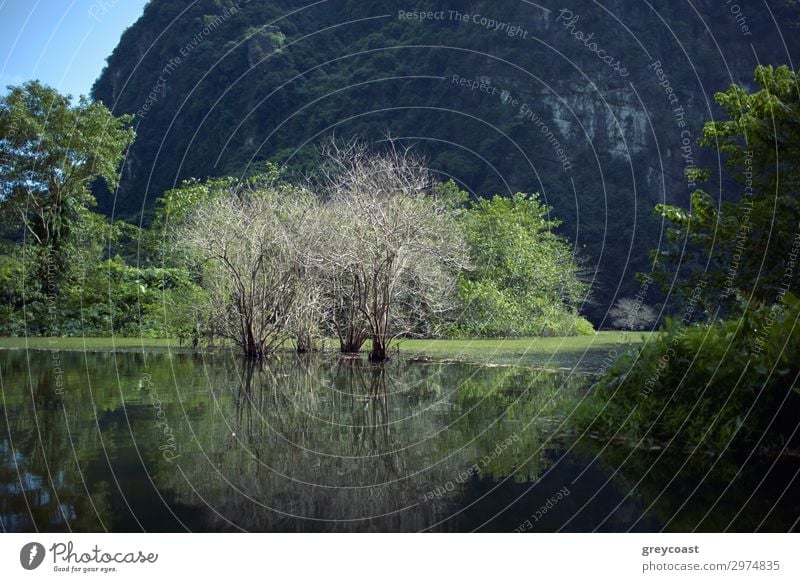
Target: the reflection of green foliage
pixel 319 437
pixel 701 493
pixel 526 405
pixel 66 424
pixel 411 428
pixel 730 383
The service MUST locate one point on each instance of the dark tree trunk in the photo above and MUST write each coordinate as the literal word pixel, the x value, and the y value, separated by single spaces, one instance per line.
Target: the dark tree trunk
pixel 253 350
pixel 380 349
pixel 352 341
pixel 252 353
pixel 351 347
pixel 305 344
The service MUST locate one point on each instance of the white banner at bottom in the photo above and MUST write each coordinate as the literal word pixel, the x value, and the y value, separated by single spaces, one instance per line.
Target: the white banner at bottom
pixel 386 557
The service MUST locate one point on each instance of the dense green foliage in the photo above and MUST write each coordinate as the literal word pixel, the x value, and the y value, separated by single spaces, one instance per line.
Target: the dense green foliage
pixel 51 152
pixel 259 261
pixel 60 271
pixel 728 384
pixel 742 248
pixel 524 280
pixel 100 298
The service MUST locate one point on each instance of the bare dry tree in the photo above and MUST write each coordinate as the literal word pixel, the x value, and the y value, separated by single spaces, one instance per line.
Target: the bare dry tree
pixel 249 239
pixel 378 258
pixel 394 249
pixel 311 308
pixel 337 274
pixel 631 314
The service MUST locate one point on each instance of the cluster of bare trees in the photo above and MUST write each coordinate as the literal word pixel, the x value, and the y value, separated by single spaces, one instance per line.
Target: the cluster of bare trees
pixel 367 253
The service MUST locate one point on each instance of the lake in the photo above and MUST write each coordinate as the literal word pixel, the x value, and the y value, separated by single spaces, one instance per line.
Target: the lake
pixel 171 442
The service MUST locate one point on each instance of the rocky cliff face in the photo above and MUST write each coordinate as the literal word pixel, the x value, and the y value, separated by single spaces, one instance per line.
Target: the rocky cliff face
pixel 596 107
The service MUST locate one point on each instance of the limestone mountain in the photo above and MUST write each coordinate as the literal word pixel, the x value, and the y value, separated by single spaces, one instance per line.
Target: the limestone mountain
pixel 597 107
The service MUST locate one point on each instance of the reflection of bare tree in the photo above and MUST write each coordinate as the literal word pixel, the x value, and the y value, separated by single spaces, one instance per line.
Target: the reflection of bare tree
pixel 337 444
pixel 316 440
pixel 342 444
pixel 294 443
pixel 371 413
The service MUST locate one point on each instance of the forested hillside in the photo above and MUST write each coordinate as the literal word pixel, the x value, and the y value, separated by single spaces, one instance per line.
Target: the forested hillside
pixel 597 108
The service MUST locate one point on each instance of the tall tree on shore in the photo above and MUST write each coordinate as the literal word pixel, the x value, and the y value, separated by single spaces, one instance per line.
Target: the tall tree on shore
pixel 743 249
pixel 51 152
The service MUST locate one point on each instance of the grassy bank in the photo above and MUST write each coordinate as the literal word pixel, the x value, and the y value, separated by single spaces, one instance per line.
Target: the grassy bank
pixel 589 353
pixel 89 343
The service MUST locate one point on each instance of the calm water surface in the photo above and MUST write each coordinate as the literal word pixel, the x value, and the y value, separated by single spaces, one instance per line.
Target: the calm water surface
pixel 187 442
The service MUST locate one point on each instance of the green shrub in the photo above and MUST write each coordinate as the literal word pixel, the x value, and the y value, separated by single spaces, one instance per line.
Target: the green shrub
pixel 525 280
pixel 727 384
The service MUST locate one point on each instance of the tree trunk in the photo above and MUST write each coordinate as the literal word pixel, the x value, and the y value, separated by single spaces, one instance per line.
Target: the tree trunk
pixel 252 352
pixel 252 349
pixel 352 341
pixel 350 347
pixel 380 352
pixel 305 343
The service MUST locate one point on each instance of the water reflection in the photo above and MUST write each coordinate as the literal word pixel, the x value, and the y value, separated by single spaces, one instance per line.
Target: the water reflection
pixel 343 444
pixel 174 442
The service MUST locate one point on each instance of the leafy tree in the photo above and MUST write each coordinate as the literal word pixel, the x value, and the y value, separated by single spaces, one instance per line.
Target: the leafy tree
pixel 742 248
pixel 12 273
pixel 730 381
pixel 50 154
pixel 57 294
pixel 525 279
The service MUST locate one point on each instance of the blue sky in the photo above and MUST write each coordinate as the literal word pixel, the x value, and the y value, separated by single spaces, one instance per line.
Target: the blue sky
pixel 63 43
